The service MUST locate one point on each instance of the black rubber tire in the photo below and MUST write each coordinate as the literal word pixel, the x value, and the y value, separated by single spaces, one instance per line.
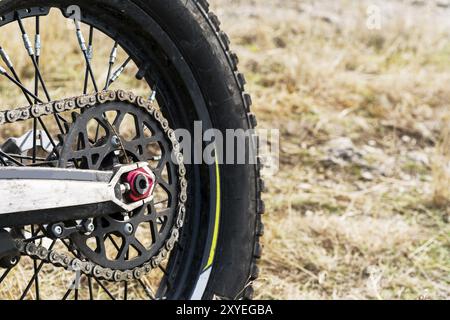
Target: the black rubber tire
pixel 206 48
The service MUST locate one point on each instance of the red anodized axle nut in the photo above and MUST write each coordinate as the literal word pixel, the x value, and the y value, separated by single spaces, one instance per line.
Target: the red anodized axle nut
pixel 141 184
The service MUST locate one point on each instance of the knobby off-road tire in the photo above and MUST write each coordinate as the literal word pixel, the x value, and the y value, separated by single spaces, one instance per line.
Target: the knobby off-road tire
pixel 241 225
pixel 219 245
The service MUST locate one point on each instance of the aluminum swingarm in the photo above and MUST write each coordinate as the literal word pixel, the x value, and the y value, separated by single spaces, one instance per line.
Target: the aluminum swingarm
pixel 48 195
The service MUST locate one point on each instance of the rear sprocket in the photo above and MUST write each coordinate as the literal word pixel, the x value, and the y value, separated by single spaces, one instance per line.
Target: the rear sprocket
pixel 124 132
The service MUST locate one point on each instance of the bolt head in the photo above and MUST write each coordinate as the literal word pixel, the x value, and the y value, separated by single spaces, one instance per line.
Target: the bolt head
pixel 141 184
pixel 57 230
pixel 90 227
pixel 128 228
pixel 115 141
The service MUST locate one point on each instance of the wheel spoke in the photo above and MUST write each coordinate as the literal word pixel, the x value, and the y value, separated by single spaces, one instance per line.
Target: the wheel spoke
pixel 19 84
pixel 47 132
pixel 32 55
pixel 37 49
pixel 90 55
pixel 99 282
pixel 125 293
pixel 125 290
pixel 118 72
pixel 15 77
pixel 164 283
pixel 5 274
pixel 2 154
pixel 36 280
pixel 34 152
pixel 84 49
pixel 112 61
pixel 147 290
pixel 67 293
pixel 113 242
pixel 17 156
pixel 91 294
pixel 34 238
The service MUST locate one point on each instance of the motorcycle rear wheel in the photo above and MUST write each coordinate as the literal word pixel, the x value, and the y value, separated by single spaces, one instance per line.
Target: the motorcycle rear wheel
pixel 179 47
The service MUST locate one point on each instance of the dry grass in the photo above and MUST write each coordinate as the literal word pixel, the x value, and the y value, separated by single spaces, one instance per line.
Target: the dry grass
pixel 360 206
pixel 441 168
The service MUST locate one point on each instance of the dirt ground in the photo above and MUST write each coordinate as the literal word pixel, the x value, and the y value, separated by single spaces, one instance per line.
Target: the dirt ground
pixel 360 206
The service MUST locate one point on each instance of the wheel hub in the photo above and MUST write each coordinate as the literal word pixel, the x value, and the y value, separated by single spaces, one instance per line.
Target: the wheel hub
pixel 141 184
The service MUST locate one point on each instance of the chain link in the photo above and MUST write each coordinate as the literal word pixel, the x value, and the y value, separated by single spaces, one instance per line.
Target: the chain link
pixel 63 260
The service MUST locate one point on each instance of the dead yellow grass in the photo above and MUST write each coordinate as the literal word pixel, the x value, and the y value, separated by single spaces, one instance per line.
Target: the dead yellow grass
pixel 441 168
pixel 360 206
